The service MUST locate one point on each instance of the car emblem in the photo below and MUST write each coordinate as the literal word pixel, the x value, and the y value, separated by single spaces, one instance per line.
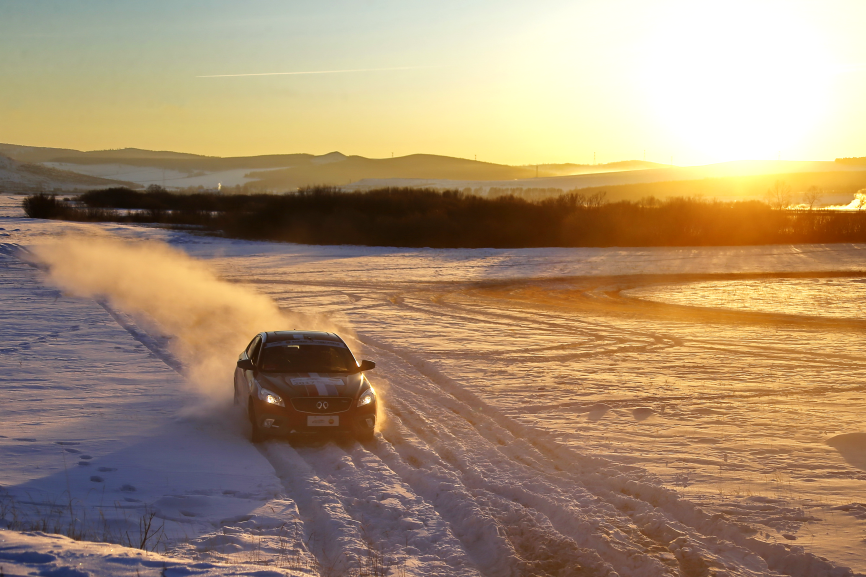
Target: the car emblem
pixel 322 405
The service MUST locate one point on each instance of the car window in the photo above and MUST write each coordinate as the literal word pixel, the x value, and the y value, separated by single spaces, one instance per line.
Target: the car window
pixel 253 349
pixel 294 358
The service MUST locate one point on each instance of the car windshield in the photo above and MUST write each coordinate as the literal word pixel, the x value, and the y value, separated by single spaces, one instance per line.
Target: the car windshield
pixel 292 358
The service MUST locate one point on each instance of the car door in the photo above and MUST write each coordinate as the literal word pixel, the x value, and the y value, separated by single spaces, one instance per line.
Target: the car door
pixel 244 378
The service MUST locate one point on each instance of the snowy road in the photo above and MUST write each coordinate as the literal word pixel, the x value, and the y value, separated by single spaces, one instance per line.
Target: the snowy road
pixel 539 418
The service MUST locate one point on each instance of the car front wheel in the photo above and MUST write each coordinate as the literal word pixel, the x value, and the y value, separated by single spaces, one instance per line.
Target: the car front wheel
pixel 365 429
pixel 257 436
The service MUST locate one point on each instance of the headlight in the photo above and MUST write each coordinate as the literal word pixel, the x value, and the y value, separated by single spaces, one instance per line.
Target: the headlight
pixel 270 397
pixel 367 397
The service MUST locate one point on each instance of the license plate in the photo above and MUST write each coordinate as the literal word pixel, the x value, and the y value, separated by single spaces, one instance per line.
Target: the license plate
pixel 323 421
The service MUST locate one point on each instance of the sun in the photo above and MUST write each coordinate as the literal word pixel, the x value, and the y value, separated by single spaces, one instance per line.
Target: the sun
pixel 736 80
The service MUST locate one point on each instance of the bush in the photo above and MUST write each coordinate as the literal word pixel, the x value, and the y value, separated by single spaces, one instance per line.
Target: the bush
pixel 42 205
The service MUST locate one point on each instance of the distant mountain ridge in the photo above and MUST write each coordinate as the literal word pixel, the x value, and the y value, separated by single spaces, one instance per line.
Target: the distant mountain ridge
pixel 41 154
pixel 350 169
pixel 289 171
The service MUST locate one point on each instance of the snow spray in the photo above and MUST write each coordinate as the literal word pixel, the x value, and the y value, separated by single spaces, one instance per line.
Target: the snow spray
pixel 209 321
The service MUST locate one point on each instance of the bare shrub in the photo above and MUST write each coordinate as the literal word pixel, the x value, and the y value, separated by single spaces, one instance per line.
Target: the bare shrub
pixel 42 205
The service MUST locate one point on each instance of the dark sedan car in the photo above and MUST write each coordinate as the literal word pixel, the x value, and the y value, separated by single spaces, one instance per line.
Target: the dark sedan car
pixel 303 382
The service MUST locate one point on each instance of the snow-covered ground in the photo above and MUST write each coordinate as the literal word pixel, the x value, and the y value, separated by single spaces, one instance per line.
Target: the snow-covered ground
pixel 816 296
pixel 546 411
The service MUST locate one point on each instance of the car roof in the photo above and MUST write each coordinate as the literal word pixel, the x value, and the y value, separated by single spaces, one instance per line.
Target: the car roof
pixel 280 336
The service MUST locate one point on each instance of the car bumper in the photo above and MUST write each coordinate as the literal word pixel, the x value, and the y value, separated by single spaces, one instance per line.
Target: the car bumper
pixel 280 421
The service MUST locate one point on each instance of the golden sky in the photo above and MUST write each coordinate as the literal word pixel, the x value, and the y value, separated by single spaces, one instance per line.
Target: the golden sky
pixel 510 82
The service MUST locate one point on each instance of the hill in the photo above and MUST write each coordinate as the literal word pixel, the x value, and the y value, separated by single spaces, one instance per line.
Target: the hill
pixel 630 179
pixel 18 176
pixel 838 187
pixel 423 166
pixel 728 180
pixel 37 154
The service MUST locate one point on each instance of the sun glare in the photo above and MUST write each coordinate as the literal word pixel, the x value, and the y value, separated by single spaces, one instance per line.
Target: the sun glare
pixel 737 81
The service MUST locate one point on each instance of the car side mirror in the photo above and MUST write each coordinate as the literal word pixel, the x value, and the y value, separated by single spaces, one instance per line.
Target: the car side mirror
pixel 246 365
pixel 366 366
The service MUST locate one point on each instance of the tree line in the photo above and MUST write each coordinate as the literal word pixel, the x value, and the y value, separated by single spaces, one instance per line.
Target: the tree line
pixel 451 219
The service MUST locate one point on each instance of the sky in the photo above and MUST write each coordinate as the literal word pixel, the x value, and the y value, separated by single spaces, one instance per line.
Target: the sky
pixel 510 82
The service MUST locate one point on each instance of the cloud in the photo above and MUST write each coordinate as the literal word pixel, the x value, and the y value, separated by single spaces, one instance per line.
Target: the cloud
pixel 315 72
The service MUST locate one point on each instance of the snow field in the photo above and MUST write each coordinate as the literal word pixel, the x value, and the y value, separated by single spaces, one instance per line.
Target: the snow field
pixel 550 427
pixel 687 438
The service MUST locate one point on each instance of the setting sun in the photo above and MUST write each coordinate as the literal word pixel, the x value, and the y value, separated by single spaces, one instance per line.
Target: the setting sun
pixel 738 80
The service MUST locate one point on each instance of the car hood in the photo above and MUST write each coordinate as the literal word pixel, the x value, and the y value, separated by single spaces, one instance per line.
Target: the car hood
pixel 292 385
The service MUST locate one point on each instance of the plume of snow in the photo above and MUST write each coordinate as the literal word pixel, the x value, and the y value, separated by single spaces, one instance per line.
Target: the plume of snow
pixel 209 320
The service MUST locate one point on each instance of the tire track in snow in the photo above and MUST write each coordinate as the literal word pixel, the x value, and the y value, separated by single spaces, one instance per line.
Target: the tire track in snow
pixel 398 522
pixel 331 534
pixel 152 344
pixel 499 546
pixel 542 318
pixel 782 353
pixel 682 532
pixel 608 553
pixel 616 343
pixel 485 473
pixel 491 317
pixel 478 531
pixel 507 537
pixel 754 393
pixel 646 342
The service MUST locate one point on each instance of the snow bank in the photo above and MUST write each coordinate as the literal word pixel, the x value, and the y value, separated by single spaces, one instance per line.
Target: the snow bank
pixel 58 556
pixel 852 447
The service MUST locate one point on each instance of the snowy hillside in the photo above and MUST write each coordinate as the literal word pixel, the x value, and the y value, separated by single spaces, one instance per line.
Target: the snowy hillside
pixel 21 177
pixel 546 412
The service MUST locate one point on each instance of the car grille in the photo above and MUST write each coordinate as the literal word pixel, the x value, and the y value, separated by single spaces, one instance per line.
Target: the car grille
pixel 321 405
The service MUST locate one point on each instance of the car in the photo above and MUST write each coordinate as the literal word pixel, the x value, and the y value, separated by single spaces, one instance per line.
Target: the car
pixel 294 382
